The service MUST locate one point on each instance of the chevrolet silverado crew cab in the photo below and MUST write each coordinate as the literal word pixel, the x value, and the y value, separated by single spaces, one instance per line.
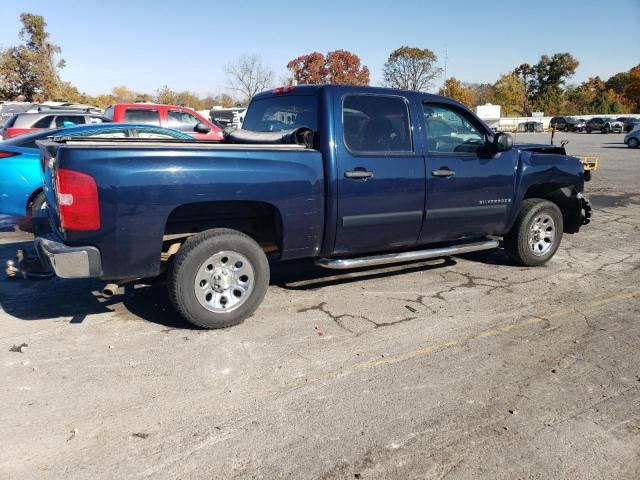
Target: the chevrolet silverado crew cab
pixel 347 176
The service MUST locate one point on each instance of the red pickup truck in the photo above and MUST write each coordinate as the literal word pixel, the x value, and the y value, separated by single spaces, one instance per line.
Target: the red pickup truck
pixel 169 116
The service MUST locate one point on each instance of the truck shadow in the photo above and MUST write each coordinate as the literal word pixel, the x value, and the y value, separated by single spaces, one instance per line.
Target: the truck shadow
pixel 73 301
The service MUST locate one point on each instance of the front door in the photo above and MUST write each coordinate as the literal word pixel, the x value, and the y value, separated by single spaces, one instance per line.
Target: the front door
pixel 381 180
pixel 469 190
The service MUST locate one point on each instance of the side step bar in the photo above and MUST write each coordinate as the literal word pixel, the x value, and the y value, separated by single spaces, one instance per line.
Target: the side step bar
pixel 346 263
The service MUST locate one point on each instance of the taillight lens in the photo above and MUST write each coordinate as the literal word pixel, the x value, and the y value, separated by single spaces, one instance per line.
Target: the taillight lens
pixel 4 154
pixel 77 195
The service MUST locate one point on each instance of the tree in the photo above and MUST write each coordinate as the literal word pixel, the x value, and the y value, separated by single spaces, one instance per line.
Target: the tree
pixel 453 88
pixel 343 68
pixel 122 94
pixel 618 82
pixel 31 69
pixel 543 81
pixel 632 89
pixel 248 76
pixel 339 67
pixel 510 94
pixel 309 69
pixel 411 68
pixel 482 93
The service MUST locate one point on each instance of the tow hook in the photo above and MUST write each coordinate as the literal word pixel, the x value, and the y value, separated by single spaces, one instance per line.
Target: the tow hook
pixel 26 267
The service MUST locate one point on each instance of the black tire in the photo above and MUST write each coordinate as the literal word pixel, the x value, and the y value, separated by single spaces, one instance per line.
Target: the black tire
pixel 633 143
pixel 38 203
pixel 191 261
pixel 588 130
pixel 516 242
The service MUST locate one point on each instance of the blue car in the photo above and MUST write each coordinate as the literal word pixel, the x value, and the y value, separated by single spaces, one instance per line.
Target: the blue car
pixel 21 173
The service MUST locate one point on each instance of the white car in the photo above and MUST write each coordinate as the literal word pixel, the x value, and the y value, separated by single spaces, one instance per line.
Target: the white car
pixel 612 126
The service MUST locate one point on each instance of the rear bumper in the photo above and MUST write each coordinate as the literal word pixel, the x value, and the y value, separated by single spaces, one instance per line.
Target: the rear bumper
pixel 68 262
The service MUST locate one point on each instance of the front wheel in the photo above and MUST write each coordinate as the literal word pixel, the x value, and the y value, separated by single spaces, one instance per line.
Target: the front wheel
pixel 633 143
pixel 218 278
pixel 536 234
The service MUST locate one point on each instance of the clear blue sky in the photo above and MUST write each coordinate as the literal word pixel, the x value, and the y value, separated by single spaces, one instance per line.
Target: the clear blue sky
pixel 185 45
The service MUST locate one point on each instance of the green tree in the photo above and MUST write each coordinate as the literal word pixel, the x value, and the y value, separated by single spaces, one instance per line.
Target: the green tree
pixel 31 68
pixel 453 88
pixel 482 93
pixel 411 68
pixel 510 94
pixel 544 81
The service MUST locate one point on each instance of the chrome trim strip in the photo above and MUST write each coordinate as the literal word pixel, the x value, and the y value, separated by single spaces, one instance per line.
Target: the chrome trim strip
pixel 346 263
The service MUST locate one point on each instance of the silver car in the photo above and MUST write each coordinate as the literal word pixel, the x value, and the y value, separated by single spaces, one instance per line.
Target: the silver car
pixel 632 139
pixel 612 126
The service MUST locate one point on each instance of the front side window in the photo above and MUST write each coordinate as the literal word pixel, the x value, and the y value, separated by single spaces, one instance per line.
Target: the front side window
pixel 376 124
pixel 142 115
pixel 182 121
pixel 450 130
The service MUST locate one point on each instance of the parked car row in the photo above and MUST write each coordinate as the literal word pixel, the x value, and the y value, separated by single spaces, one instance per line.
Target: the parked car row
pixel 597 124
pixel 168 116
pixel 21 171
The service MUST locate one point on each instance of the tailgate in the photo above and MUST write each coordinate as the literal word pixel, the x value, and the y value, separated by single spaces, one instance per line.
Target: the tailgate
pixel 48 151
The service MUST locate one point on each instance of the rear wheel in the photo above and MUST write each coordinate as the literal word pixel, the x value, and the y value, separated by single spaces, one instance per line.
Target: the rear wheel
pixel 633 143
pixel 39 203
pixel 218 278
pixel 536 234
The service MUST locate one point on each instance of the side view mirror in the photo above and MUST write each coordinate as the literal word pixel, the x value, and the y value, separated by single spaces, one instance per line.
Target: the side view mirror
pixel 502 142
pixel 202 128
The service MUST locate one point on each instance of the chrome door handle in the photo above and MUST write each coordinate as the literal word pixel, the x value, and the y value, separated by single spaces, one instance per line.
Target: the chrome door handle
pixel 358 174
pixel 443 172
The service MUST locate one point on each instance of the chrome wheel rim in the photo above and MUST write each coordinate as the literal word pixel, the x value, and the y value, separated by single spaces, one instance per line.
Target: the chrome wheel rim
pixel 224 281
pixel 542 232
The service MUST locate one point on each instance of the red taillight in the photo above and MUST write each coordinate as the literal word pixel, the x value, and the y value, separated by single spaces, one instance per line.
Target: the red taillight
pixel 77 195
pixel 4 154
pixel 280 90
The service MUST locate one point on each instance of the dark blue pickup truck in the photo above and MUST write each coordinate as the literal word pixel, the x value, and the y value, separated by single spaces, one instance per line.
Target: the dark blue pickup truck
pixel 348 176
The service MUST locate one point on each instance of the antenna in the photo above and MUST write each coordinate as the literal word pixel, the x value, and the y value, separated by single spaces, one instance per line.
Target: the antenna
pixel 444 83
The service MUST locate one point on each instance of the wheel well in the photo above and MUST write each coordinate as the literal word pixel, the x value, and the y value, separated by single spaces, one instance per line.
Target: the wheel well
pixel 259 220
pixel 566 198
pixel 32 197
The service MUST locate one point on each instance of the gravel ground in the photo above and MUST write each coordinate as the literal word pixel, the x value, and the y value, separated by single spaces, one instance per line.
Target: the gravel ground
pixel 466 367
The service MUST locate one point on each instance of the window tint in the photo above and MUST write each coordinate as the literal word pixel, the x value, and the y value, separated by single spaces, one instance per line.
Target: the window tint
pixel 141 115
pixel 374 123
pixel 64 121
pixel 44 122
pixel 281 112
pixel 450 131
pixel 159 134
pixel 111 133
pixel 181 120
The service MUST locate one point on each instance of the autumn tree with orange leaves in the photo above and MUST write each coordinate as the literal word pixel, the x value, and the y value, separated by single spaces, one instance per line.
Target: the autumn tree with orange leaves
pixel 339 67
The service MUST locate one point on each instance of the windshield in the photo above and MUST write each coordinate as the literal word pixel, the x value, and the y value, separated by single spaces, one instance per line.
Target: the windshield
pixel 282 112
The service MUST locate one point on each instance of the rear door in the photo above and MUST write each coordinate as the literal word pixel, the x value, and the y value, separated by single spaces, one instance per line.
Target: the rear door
pixel 469 190
pixel 381 178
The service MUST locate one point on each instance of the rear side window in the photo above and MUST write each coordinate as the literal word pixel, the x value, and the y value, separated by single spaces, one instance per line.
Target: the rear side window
pixel 9 123
pixel 282 112
pixel 142 115
pixel 376 123
pixel 44 122
pixel 65 121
